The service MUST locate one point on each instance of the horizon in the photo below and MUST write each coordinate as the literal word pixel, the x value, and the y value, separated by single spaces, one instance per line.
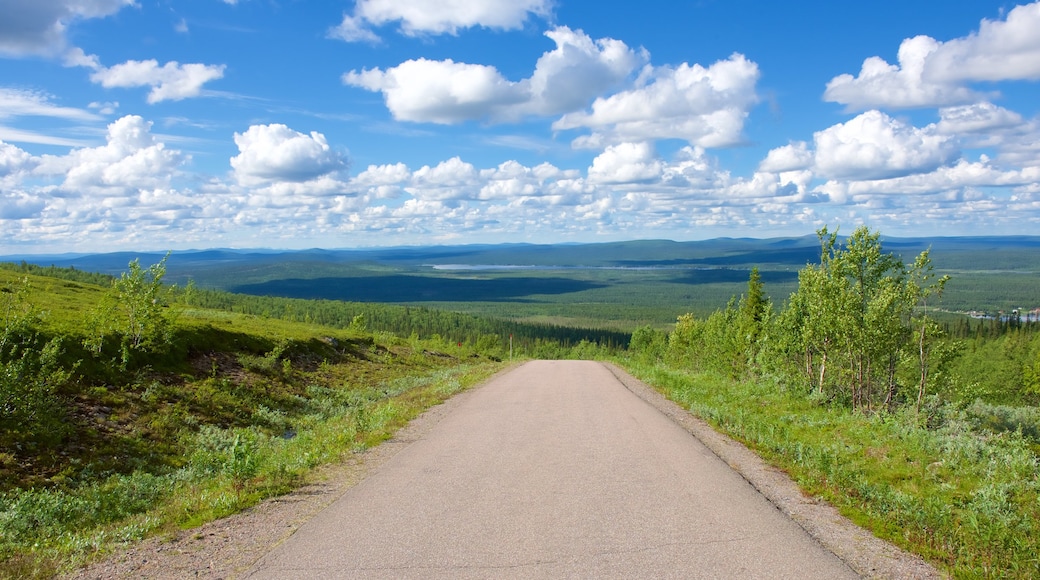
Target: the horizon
pixel 362 249
pixel 378 124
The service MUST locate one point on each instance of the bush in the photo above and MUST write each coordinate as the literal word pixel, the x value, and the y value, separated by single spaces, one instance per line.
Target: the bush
pixel 1000 419
pixel 30 372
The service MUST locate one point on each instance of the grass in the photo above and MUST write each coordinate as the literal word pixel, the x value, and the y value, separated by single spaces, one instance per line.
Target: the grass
pixel 226 470
pixel 966 500
pixel 232 410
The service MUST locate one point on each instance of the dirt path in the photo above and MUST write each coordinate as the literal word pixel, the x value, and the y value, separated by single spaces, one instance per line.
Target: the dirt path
pixel 563 502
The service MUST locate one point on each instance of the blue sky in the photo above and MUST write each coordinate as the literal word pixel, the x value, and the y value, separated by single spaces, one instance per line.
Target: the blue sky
pixel 263 123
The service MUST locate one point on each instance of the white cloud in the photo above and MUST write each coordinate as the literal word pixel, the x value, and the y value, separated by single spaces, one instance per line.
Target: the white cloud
pixel 106 108
pixel 439 91
pixel 171 82
pixel 453 172
pixel 20 206
pixel 383 181
pixel 881 84
pixel 577 70
pixel 352 29
pixel 76 57
pixel 389 174
pixel 453 179
pixel 959 180
pixel 1020 145
pixel 23 103
pixel 13 160
pixel 38 27
pixel 417 17
pixel 40 138
pixel 444 91
pixel 706 106
pixel 1001 50
pixel 931 73
pixel 876 146
pixel 790 157
pixel 276 153
pixel 976 118
pixel 511 180
pixel 132 159
pixel 626 163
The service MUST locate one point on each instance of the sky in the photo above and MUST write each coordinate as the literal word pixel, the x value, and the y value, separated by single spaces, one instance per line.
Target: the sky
pixel 287 124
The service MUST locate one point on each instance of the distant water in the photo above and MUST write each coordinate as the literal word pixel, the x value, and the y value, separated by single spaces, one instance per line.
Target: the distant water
pixel 473 267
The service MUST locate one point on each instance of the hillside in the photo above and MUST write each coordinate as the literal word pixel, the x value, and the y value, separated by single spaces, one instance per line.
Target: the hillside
pixel 107 438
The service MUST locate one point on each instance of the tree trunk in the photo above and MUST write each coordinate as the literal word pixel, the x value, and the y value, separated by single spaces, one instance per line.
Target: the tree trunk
pixel 924 366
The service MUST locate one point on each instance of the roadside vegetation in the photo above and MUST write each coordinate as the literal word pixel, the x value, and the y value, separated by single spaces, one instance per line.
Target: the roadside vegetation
pixel 924 433
pixel 127 409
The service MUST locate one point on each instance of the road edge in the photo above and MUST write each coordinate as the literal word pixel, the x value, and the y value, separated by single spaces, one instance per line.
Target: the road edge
pixel 227 548
pixel 868 555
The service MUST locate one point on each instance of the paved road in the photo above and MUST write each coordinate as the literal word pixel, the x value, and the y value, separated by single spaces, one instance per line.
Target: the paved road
pixel 552 470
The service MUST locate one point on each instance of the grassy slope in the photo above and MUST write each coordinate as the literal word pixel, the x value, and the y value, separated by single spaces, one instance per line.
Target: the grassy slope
pixel 966 500
pixel 239 408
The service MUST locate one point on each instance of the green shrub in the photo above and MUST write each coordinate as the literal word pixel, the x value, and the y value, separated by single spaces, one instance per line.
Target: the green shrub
pixel 1000 418
pixel 31 372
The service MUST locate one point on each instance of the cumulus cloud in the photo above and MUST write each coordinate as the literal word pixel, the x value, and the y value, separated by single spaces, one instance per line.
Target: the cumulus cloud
pixel 171 82
pixel 455 181
pixel 876 146
pixel 626 163
pixel 976 118
pixel 446 92
pixel 20 206
pixel 389 174
pixel 958 178
pixel 512 180
pixel 578 69
pixel 881 84
pixel 791 157
pixel 417 17
pixel 38 27
pixel 1001 50
pixel 131 159
pixel 931 73
pixel 276 153
pixel 13 160
pixel 439 91
pixel 706 106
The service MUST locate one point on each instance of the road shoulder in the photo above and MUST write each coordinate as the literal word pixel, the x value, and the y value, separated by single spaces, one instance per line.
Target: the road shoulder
pixel 868 555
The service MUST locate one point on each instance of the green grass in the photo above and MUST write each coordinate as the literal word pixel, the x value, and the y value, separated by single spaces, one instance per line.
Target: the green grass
pixel 233 409
pixel 967 500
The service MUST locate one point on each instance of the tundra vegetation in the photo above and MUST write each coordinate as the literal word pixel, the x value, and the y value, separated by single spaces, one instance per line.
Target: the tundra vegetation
pixel 926 434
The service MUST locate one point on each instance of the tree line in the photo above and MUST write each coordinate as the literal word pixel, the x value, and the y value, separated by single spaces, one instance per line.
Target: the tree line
pixel 453 327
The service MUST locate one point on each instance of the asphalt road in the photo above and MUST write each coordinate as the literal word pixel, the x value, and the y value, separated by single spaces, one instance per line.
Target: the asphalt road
pixel 552 470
